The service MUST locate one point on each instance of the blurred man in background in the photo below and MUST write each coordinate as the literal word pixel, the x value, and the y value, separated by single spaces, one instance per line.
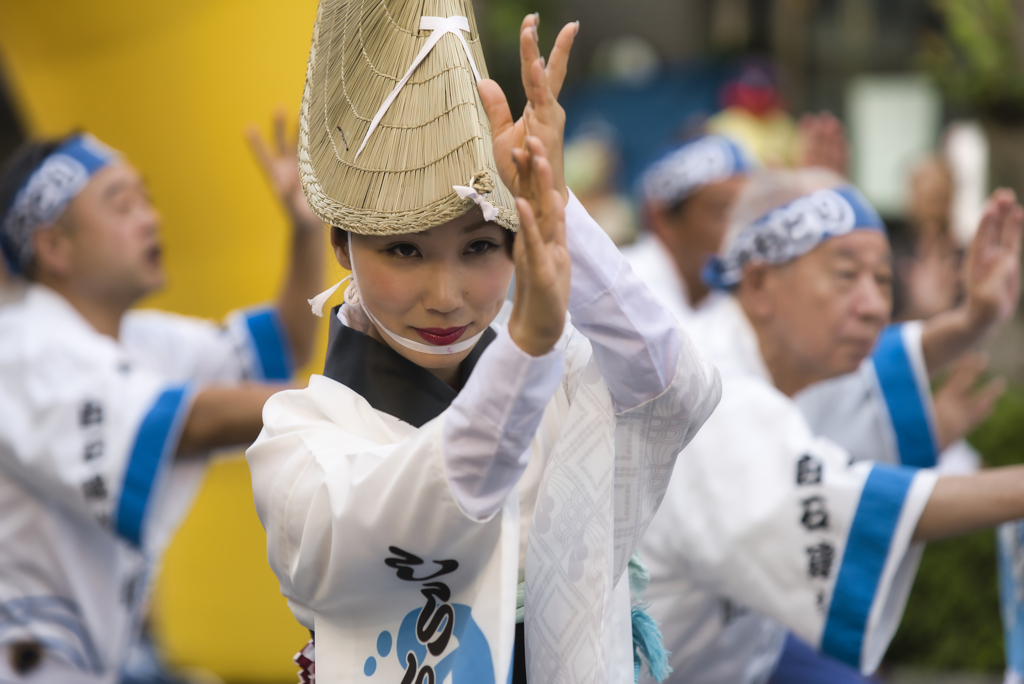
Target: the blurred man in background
pixel 109 414
pixel 713 639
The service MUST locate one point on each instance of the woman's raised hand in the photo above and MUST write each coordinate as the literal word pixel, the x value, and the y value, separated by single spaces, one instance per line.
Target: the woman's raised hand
pixel 541 295
pixel 543 117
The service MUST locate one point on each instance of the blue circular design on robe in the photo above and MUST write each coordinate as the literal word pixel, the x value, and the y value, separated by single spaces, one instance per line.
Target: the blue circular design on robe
pixel 384 644
pixel 468 657
pixel 370 666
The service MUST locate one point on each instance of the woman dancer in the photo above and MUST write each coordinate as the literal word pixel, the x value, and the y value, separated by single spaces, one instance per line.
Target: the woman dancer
pixel 451 475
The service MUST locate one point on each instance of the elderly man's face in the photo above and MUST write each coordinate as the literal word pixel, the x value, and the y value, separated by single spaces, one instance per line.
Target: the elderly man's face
pixel 825 309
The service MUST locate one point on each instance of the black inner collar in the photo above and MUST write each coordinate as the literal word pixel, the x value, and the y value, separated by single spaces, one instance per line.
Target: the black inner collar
pixel 387 380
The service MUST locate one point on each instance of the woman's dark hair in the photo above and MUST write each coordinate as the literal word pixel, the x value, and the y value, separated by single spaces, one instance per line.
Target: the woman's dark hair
pixel 339 236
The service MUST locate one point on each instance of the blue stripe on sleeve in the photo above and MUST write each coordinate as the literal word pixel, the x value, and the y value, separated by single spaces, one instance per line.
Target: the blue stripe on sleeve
pixel 867 548
pixel 272 346
pixel 903 399
pixel 1009 550
pixel 153 445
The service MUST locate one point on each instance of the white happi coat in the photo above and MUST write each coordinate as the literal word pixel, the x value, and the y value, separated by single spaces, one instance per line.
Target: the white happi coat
pixel 765 515
pixel 372 542
pixel 88 499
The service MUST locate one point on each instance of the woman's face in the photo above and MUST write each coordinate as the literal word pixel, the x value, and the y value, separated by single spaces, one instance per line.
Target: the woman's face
pixel 438 287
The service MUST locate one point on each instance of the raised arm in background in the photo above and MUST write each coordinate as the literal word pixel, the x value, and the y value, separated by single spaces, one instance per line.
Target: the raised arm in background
pixel 305 268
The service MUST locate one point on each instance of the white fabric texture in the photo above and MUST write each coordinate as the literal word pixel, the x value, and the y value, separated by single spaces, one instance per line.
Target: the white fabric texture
pixel 634 337
pixel 338 486
pixel 74 402
pixel 487 435
pixel 730 527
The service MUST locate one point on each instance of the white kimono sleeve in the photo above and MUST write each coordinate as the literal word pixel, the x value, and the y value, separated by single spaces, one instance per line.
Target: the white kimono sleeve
pixel 336 483
pixel 883 411
pixel 89 436
pixel 763 513
pixel 635 339
pixel 252 344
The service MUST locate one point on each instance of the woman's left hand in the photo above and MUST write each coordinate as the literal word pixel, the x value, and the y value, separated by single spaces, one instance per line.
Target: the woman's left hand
pixel 543 117
pixel 280 164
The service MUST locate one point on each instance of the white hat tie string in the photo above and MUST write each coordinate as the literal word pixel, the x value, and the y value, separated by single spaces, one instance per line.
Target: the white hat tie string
pixel 440 26
pixel 352 298
pixel 464 191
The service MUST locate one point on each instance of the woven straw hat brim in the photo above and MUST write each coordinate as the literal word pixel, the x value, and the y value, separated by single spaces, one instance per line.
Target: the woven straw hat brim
pixel 434 136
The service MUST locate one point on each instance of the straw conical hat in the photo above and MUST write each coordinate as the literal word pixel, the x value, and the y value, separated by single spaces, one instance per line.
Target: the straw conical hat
pixel 432 132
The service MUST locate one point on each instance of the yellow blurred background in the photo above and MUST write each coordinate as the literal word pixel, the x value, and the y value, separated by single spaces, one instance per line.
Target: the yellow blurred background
pixel 173 85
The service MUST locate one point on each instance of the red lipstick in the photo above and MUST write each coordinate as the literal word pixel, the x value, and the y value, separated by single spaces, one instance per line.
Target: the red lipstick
pixel 441 336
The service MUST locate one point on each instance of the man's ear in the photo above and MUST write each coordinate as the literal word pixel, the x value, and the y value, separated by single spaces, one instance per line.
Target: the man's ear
pixel 339 241
pixel 52 249
pixel 656 220
pixel 756 291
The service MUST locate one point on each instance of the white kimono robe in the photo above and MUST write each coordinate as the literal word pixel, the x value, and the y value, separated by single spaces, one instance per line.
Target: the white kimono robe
pixel 393 519
pixel 762 514
pixel 88 497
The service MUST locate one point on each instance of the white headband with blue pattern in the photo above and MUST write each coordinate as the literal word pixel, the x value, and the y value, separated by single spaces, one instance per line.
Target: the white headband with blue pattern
pixel 47 192
pixel 792 230
pixel 689 167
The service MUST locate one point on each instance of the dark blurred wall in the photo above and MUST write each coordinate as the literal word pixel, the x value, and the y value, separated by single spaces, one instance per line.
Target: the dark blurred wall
pixel 677 29
pixel 10 130
pixel 817 44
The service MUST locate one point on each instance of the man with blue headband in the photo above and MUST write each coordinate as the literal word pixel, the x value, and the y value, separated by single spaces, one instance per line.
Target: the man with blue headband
pixel 108 414
pixel 686 196
pixel 767 525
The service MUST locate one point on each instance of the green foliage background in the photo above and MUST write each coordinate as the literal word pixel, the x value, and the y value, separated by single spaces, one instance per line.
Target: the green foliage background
pixel 952 620
pixel 976 59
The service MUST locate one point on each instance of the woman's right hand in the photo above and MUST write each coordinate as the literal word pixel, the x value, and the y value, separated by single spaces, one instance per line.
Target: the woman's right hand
pixel 542 262
pixel 543 117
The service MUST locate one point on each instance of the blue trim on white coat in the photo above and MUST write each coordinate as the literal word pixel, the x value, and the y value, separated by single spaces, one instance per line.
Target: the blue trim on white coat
pixel 907 407
pixel 1010 550
pixel 154 447
pixel 867 548
pixel 273 349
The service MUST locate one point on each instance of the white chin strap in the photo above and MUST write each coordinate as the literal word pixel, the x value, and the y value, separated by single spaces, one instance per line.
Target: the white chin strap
pixel 352 298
